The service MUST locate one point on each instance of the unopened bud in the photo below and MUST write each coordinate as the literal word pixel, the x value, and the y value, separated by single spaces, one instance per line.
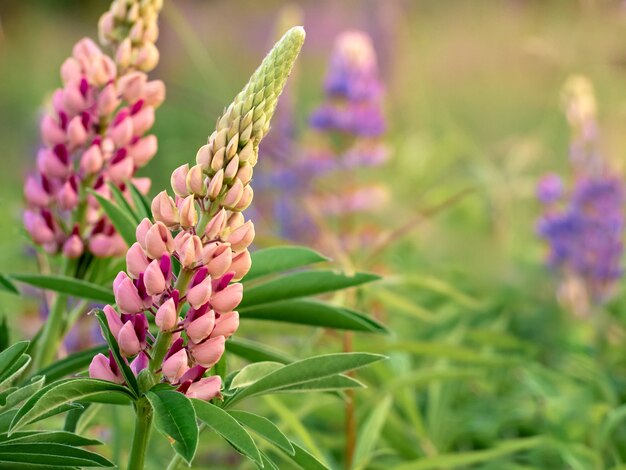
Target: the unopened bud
pixel 164 209
pixel 216 225
pixel 215 185
pixel 124 53
pixel 178 180
pixel 188 213
pixel 233 195
pixel 195 181
pixel 166 317
pixel 231 169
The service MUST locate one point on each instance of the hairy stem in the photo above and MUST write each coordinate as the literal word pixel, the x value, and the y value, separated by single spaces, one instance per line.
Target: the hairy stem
pixel 143 425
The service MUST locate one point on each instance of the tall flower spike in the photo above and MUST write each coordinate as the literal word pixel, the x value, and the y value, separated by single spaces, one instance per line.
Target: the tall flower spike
pixel 211 245
pixel 353 109
pixel 131 27
pixel 94 135
pixel 584 228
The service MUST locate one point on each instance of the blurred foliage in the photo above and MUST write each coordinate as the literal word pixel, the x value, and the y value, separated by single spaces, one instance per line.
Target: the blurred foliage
pixel 486 370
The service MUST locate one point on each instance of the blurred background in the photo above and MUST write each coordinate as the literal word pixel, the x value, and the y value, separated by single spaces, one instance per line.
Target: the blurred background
pixel 486 369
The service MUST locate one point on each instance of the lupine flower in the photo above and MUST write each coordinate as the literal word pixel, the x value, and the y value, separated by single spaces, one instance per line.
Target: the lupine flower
pixel 204 230
pixel 584 230
pixel 353 89
pixel 353 110
pixel 94 134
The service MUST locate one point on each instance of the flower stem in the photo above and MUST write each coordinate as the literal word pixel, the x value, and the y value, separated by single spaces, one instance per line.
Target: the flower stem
pixel 164 338
pixel 143 425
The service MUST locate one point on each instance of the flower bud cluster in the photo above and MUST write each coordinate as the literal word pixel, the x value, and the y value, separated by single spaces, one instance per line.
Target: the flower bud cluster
pixel 131 27
pixel 93 135
pixel 183 268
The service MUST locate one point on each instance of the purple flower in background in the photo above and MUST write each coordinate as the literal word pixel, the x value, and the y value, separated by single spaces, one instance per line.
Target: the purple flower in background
pixel 354 91
pixel 550 188
pixel 585 238
pixel 351 107
pixel 584 229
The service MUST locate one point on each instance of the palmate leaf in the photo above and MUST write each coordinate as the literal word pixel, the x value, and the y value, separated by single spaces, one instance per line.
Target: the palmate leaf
pixel 253 373
pixel 306 370
pixel 68 285
pixel 227 427
pixel 314 313
pixel 264 428
pixel 174 416
pixel 278 259
pixel 52 398
pixel 325 384
pixel 302 284
pixel 121 220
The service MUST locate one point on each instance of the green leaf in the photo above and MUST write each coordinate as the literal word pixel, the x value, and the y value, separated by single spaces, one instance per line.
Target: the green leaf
pixel 122 203
pixel 7 286
pixel 264 428
pixel 302 284
pixel 175 418
pixel 5 334
pixel 227 427
pixel 142 204
pixel 369 433
pixel 304 458
pixel 5 419
pixel 256 352
pixel 253 372
pixel 123 223
pixel 314 313
pixel 306 370
pixel 24 392
pixel 14 370
pixel 267 462
pixel 281 258
pixel 463 459
pixel 12 362
pixel 325 384
pixel 73 363
pixel 59 437
pixel 127 373
pixel 52 396
pixel 50 454
pixel 68 285
pixel 452 352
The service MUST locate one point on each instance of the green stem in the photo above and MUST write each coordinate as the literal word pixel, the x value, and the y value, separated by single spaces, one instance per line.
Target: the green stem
pixel 53 327
pixel 143 425
pixel 163 339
